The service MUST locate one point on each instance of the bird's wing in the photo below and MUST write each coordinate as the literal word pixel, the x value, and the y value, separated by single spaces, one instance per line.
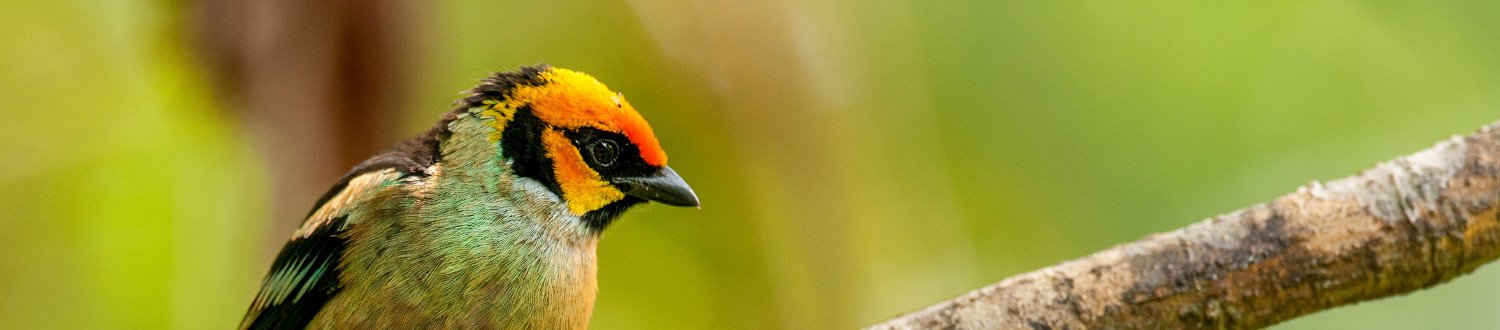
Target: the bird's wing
pixel 305 275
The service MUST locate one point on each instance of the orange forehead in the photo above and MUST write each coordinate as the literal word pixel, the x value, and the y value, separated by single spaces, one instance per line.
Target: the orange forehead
pixel 572 99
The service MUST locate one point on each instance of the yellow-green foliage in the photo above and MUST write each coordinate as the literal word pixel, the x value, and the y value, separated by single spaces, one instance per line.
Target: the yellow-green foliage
pixel 130 200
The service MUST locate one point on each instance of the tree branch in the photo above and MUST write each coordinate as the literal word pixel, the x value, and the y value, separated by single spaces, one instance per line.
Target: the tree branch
pixel 1407 224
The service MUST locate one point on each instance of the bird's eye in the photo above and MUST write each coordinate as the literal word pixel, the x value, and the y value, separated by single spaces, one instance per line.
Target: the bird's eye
pixel 604 151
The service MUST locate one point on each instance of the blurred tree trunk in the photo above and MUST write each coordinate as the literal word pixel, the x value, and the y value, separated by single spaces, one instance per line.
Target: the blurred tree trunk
pixel 316 85
pixel 1407 224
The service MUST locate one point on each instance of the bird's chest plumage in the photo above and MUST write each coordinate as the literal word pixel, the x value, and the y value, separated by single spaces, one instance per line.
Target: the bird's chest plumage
pixel 467 256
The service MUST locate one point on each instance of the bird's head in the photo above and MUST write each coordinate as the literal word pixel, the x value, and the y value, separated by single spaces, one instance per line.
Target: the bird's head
pixel 583 141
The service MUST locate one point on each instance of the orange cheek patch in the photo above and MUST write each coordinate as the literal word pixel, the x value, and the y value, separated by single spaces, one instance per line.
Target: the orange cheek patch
pixel 582 187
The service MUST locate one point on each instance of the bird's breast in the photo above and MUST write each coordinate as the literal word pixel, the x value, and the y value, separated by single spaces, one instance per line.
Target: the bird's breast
pixel 470 262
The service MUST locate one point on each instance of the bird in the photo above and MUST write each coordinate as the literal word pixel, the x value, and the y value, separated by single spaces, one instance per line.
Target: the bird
pixel 490 219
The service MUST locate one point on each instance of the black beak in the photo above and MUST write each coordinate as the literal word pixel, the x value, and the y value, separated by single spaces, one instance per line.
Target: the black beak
pixel 664 186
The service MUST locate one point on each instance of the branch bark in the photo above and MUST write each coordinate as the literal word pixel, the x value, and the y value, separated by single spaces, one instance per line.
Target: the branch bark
pixel 1404 225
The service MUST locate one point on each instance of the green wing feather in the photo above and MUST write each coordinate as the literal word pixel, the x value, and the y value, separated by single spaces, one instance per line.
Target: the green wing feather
pixel 305 274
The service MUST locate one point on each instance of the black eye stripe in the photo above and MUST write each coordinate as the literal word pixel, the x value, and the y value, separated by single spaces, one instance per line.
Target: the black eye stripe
pixel 626 160
pixel 521 142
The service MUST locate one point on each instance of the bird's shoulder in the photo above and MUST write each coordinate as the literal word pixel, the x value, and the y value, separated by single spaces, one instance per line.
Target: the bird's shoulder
pixel 305 274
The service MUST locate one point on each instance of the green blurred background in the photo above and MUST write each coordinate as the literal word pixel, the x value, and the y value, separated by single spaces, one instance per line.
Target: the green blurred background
pixel 856 159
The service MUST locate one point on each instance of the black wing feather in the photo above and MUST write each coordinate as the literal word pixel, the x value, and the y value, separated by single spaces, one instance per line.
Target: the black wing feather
pixel 319 251
pixel 305 273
